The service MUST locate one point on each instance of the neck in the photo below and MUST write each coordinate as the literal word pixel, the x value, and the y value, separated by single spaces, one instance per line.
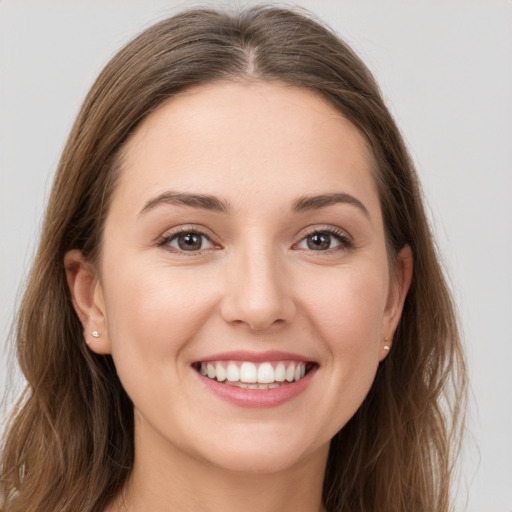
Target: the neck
pixel 172 480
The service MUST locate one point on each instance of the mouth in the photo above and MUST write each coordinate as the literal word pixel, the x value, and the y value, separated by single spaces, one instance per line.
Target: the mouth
pixel 255 375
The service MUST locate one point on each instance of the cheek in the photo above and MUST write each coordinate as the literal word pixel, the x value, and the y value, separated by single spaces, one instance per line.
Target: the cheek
pixel 348 304
pixel 154 315
pixel 347 315
pixel 153 312
pixel 349 320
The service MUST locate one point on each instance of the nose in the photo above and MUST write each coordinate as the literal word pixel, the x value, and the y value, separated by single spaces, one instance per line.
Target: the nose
pixel 258 292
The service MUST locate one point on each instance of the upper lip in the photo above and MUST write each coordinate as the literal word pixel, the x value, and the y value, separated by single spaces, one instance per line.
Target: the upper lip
pixel 256 357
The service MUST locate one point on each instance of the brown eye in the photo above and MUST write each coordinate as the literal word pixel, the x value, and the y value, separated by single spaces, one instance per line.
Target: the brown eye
pixel 324 240
pixel 319 241
pixel 189 241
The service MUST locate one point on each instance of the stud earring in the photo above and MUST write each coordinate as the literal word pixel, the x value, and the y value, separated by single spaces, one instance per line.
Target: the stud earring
pixel 94 334
pixel 386 347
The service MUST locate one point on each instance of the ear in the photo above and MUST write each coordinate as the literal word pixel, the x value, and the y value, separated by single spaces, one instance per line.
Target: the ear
pixel 87 296
pixel 401 277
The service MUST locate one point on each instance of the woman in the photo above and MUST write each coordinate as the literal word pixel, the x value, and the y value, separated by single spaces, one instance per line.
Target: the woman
pixel 236 303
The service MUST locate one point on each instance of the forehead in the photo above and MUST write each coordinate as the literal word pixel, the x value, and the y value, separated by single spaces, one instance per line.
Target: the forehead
pixel 230 138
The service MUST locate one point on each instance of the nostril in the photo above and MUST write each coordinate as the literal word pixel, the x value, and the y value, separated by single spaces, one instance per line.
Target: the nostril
pixel 262 325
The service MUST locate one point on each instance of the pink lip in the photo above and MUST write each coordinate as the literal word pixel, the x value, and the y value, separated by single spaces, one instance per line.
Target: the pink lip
pixel 257 397
pixel 256 357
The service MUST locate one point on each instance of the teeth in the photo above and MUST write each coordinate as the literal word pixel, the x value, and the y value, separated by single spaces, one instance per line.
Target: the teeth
pixel 254 376
pixel 249 373
pixel 265 373
pixel 233 373
pixel 290 373
pixel 254 386
pixel 221 373
pixel 280 372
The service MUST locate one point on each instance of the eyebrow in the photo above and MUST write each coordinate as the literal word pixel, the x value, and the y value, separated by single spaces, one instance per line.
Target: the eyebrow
pixel 212 203
pixel 308 203
pixel 202 201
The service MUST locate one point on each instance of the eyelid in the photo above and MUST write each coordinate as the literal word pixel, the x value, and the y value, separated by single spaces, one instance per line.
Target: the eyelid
pixel 169 235
pixel 345 240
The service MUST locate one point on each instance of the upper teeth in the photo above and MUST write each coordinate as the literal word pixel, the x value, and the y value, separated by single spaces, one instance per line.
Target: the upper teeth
pixel 245 371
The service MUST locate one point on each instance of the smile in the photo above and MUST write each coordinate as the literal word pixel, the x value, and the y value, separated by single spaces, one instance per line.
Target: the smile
pixel 256 379
pixel 249 375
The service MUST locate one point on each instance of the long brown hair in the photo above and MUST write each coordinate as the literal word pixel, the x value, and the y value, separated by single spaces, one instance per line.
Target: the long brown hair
pixel 69 443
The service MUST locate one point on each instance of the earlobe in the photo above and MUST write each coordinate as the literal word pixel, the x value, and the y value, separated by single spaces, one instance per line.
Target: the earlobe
pixel 399 287
pixel 87 297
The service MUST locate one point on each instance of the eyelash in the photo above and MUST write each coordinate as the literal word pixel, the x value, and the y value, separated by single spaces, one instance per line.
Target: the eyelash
pixel 166 240
pixel 344 241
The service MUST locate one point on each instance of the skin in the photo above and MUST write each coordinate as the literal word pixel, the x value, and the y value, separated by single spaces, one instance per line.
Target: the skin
pixel 255 285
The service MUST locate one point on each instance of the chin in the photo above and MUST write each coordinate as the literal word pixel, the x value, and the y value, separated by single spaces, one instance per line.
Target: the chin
pixel 254 460
pixel 261 452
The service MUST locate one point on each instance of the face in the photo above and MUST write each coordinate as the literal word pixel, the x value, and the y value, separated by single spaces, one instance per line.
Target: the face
pixel 244 290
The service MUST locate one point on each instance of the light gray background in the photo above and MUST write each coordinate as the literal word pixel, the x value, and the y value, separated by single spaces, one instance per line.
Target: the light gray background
pixel 445 68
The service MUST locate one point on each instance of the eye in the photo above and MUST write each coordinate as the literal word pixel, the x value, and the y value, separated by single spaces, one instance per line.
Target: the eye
pixel 324 240
pixel 189 241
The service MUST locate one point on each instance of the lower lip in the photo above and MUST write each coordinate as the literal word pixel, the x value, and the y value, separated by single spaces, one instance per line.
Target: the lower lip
pixel 257 397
